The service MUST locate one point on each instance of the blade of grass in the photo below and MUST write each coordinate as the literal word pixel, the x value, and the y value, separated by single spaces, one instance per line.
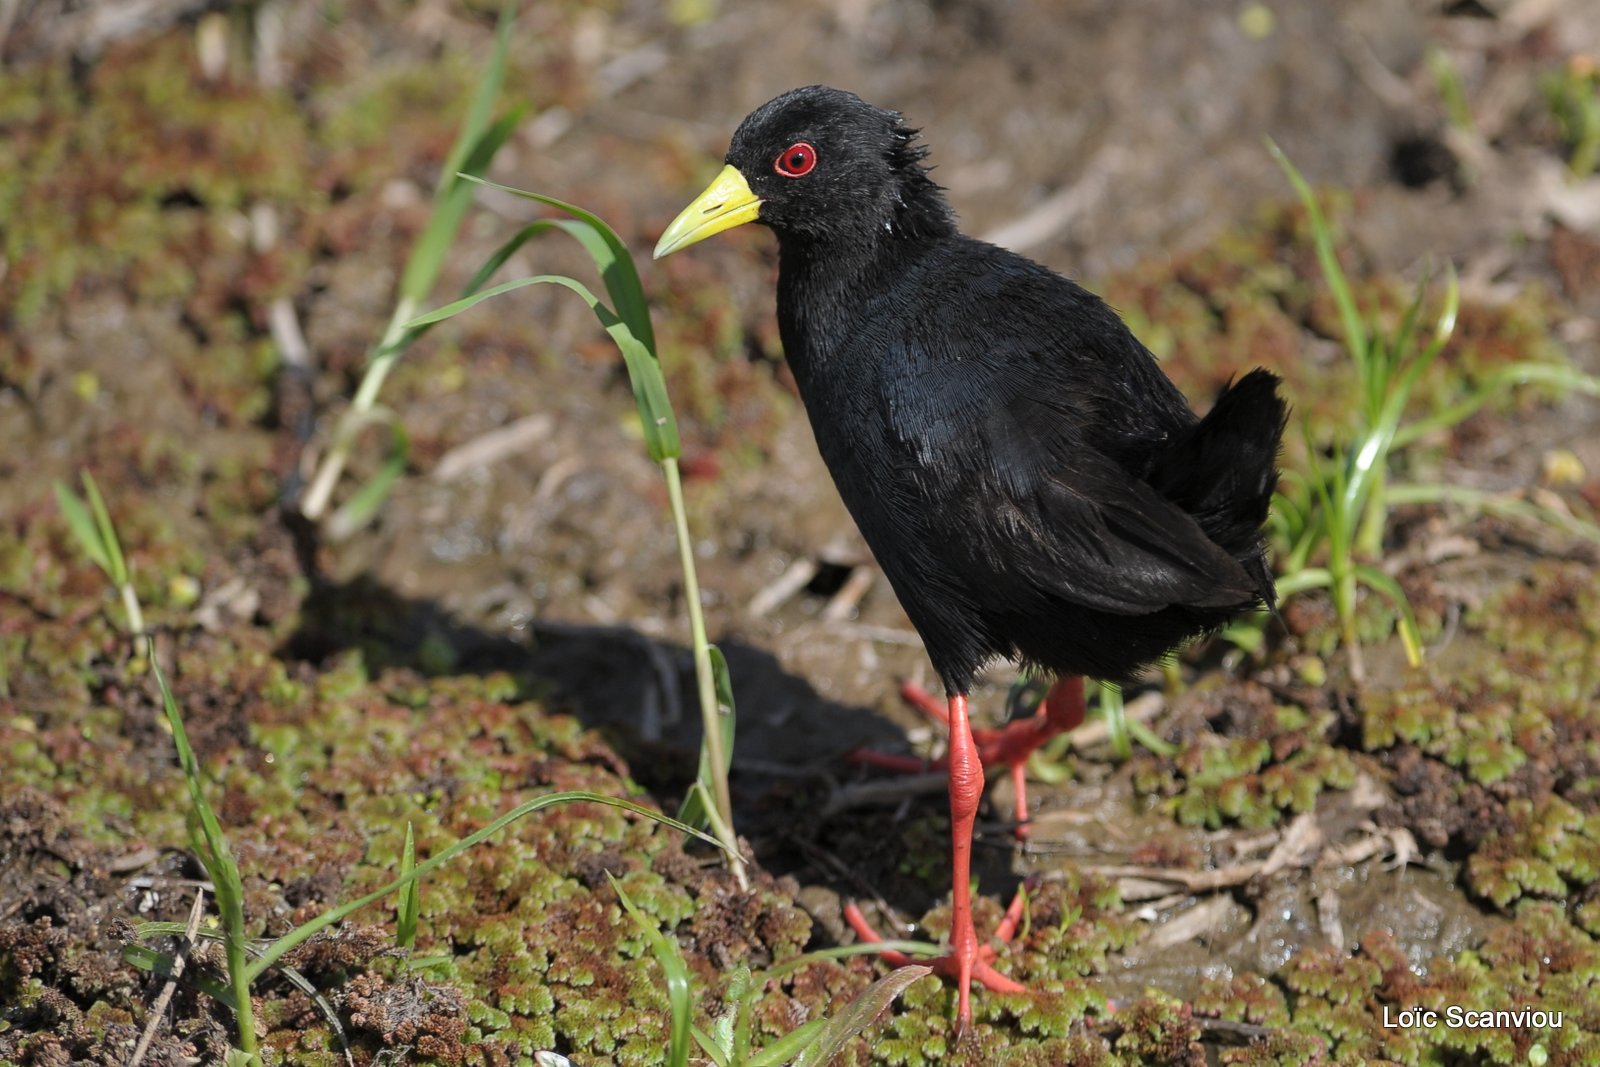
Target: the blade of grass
pixel 164 965
pixel 1115 714
pixel 644 375
pixel 859 1015
pixel 354 513
pixel 212 847
pixel 787 1047
pixel 118 567
pixel 615 262
pixel 1410 636
pixel 670 957
pixel 1495 504
pixel 694 811
pixel 83 528
pixel 410 904
pixel 709 1045
pixel 474 148
pixel 1552 374
pixel 1355 333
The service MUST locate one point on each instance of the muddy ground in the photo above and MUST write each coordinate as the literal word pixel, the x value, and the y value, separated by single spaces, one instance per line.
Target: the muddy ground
pixel 183 195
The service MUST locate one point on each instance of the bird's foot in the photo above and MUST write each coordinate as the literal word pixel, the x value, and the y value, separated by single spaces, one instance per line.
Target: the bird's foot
pixel 1006 746
pixel 967 959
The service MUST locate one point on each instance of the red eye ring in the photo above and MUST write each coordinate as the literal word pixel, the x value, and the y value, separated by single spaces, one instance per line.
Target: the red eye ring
pixel 796 161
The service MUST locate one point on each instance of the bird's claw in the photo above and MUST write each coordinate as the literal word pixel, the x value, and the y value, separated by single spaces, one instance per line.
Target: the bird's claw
pixel 979 967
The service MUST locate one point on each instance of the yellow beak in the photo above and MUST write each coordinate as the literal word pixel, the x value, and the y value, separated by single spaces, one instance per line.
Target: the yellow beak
pixel 726 203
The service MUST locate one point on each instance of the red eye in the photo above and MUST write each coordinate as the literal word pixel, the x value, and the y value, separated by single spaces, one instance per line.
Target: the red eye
pixel 796 161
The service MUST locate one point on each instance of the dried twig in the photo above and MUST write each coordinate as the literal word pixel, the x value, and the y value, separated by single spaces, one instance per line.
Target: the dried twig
pixel 158 1010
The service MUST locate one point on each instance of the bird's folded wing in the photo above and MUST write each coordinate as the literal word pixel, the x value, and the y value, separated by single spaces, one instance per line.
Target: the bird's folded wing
pixel 1091 535
pixel 1031 511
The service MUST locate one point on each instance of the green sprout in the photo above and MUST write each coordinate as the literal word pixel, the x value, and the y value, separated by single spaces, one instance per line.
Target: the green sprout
pixel 410 904
pixel 97 538
pixel 474 149
pixel 627 321
pixel 1447 80
pixel 1338 509
pixel 1573 94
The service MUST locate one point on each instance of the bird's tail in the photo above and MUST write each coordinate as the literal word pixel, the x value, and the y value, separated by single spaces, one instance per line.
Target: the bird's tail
pixel 1224 468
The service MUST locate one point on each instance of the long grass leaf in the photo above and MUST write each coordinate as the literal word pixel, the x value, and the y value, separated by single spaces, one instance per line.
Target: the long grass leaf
pixel 1305 578
pixel 616 266
pixel 644 374
pixel 679 995
pixel 1410 635
pixel 118 569
pixel 162 965
pixel 1356 338
pixel 83 528
pixel 365 502
pixel 841 952
pixel 1558 375
pixel 471 152
pixel 710 1044
pixel 410 906
pixel 433 244
pixel 788 1046
pixel 1504 504
pixel 858 1015
pixel 214 853
pixel 695 810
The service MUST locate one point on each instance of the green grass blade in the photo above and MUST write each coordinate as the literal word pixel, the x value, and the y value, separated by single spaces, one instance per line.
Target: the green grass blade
pixel 1448 84
pixel 695 810
pixel 212 845
pixel 788 1046
pixel 410 905
pixel 428 255
pixel 1301 580
pixel 118 569
pixel 709 1044
pixel 679 995
pixel 300 933
pixel 511 247
pixel 1149 739
pixel 83 528
pixel 840 952
pixel 614 261
pixel 859 1015
pixel 364 503
pixel 1115 714
pixel 1356 339
pixel 1557 375
pixel 474 147
pixel 644 373
pixel 1410 636
pixel 1495 504
pixel 743 991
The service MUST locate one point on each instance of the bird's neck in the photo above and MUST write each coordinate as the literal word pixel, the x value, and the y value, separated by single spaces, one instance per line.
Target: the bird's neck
pixel 825 285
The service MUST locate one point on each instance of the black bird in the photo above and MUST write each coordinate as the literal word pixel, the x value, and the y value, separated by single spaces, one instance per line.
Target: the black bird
pixel 1032 484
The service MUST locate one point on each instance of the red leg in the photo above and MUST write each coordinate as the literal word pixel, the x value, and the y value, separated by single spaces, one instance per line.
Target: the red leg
pixel 967 959
pixel 1061 710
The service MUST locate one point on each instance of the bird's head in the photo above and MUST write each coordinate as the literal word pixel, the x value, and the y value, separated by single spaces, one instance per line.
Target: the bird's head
pixel 822 165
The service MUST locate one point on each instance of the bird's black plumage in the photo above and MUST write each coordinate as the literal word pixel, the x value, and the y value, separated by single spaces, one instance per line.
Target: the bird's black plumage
pixel 1030 481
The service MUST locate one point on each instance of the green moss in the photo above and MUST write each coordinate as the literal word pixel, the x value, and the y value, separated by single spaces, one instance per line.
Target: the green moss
pixel 1279 764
